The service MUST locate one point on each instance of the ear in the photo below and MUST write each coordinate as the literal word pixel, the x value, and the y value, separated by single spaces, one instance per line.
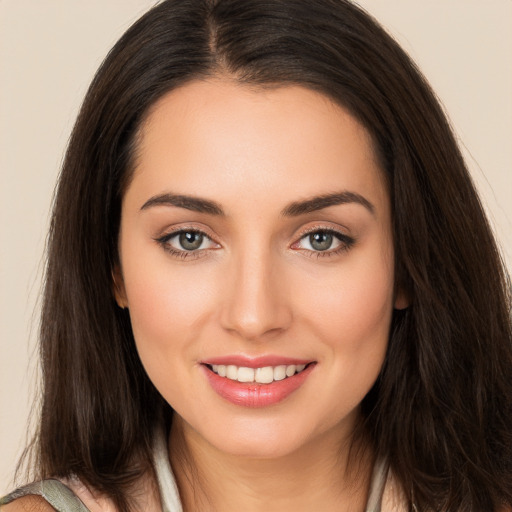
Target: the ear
pixel 118 287
pixel 402 300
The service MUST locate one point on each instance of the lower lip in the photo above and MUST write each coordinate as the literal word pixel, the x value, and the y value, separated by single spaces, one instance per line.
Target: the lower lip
pixel 253 394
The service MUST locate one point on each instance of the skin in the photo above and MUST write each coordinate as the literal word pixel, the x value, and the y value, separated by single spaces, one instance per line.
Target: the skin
pixel 256 286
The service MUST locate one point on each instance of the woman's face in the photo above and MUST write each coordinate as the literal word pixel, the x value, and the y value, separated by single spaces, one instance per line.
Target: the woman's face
pixel 256 260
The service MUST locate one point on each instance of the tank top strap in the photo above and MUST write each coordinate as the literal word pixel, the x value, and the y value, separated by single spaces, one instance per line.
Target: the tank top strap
pixel 58 495
pixel 377 485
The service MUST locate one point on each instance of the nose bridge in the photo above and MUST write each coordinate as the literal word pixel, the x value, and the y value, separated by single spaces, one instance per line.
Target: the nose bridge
pixel 255 303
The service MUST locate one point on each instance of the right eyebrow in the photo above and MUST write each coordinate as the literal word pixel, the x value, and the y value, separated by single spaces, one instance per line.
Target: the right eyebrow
pixel 196 204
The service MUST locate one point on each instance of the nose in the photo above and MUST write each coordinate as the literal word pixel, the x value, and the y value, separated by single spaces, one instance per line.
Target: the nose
pixel 256 304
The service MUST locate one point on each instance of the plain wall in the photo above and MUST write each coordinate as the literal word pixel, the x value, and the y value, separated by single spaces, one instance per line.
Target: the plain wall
pixel 49 51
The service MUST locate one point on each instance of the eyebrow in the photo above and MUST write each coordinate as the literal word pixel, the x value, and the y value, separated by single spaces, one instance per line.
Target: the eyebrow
pixel 195 204
pixel 294 209
pixel 324 201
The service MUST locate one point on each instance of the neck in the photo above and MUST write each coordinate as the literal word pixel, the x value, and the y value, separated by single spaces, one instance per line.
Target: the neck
pixel 331 473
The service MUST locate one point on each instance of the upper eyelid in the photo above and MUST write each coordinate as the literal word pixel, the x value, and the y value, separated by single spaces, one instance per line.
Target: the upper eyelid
pixel 326 228
pixel 169 233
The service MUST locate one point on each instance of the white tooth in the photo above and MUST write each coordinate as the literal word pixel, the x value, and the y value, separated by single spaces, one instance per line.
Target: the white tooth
pixel 290 370
pixel 232 372
pixel 221 370
pixel 245 374
pixel 264 375
pixel 280 372
pixel 300 367
pixel 215 367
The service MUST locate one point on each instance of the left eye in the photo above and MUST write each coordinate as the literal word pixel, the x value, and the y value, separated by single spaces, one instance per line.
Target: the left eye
pixel 322 240
pixel 187 241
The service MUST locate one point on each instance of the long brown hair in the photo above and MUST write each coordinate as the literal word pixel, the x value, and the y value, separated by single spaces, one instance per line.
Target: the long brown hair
pixel 441 410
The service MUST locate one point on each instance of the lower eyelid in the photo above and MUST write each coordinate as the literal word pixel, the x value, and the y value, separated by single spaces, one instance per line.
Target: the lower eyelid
pixel 344 247
pixel 181 254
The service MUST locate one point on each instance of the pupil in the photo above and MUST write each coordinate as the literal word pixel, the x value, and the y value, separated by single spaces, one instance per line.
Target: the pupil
pixel 191 241
pixel 320 241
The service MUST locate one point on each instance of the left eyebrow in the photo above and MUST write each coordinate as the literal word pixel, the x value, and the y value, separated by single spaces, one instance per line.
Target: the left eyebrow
pixel 316 203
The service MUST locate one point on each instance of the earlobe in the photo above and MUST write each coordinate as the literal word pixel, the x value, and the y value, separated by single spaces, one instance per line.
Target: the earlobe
pixel 402 300
pixel 119 288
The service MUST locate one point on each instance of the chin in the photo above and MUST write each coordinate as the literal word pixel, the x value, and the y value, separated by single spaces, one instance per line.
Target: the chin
pixel 272 438
pixel 261 447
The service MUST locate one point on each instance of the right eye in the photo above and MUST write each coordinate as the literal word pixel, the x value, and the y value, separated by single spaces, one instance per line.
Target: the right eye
pixel 186 241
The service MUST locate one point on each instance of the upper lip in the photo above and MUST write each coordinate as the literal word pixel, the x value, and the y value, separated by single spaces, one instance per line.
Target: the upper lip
pixel 255 362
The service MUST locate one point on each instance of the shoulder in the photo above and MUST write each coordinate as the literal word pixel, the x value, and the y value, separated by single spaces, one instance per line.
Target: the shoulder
pixel 44 495
pixel 28 504
pixel 93 500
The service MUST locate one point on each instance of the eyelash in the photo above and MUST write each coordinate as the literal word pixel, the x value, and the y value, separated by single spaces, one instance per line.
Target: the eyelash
pixel 346 243
pixel 182 254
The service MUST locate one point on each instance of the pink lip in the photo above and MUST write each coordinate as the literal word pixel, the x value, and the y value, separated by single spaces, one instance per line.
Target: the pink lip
pixel 254 394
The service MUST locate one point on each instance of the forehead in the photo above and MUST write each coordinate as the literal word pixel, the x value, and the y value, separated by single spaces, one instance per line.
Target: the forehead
pixel 218 136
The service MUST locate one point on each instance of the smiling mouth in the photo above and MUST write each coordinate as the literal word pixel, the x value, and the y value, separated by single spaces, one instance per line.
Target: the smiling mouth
pixel 263 375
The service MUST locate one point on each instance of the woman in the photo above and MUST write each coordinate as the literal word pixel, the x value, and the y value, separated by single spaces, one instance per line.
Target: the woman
pixel 269 272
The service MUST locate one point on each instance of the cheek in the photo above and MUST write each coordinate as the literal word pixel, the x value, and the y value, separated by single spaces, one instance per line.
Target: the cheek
pixel 350 316
pixel 167 304
pixel 349 311
pixel 352 303
pixel 168 312
pixel 365 307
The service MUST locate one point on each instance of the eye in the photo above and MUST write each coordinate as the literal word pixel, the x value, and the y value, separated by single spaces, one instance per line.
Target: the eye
pixel 189 240
pixel 321 241
pixel 325 241
pixel 186 241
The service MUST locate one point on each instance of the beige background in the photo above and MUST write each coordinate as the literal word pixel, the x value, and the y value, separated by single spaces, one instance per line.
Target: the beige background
pixel 49 50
